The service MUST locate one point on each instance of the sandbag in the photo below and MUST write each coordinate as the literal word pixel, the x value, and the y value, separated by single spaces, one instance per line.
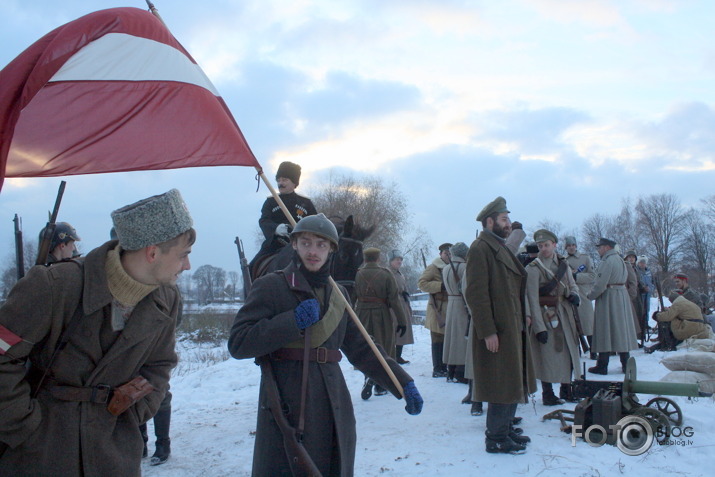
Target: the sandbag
pixel 700 362
pixel 694 344
pixel 705 382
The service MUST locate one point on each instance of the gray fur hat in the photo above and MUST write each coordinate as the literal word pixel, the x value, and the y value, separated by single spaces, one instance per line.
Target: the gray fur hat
pixel 393 255
pixel 459 249
pixel 152 221
pixel 570 240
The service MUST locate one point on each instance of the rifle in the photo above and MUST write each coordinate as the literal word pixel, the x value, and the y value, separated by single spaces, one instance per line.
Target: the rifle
pixel 245 272
pixel 19 253
pixel 43 250
pixel 298 458
pixel 581 338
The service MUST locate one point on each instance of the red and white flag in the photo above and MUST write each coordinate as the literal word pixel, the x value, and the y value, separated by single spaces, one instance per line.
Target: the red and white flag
pixel 8 339
pixel 112 91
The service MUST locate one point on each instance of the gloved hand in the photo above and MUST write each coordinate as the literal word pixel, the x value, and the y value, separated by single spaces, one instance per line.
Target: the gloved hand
pixel 413 400
pixel 574 299
pixel 516 225
pixel 542 337
pixel 306 313
pixel 401 330
pixel 282 230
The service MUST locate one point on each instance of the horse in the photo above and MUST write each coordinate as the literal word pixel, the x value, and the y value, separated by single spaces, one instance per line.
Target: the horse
pixel 343 264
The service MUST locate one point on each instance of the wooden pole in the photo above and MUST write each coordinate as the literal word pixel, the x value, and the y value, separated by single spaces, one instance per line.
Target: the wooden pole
pixel 336 289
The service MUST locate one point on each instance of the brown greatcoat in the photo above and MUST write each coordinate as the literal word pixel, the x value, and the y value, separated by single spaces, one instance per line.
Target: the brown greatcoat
pixel 408 338
pixel 48 436
pixel 686 320
pixel 582 266
pixel 431 282
pixel 495 295
pixel 559 356
pixel 613 328
pixel 266 323
pixel 377 295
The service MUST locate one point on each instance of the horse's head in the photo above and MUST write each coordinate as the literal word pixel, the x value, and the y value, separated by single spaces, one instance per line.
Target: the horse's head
pixel 349 256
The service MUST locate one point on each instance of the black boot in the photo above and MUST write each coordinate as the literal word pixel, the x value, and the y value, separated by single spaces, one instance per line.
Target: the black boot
pixel 439 370
pixel 379 390
pixel 366 390
pixel 398 355
pixel 468 398
pixel 566 393
pixel 451 370
pixel 163 451
pixel 592 355
pixel 548 398
pixel 624 360
pixel 601 364
pixel 477 409
pixel 459 375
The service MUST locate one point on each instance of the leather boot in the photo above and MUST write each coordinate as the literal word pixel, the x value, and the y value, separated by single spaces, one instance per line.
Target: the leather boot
pixel 439 370
pixel 163 451
pixel 366 390
pixel 451 369
pixel 468 398
pixel 459 375
pixel 398 355
pixel 624 360
pixel 601 364
pixel 566 393
pixel 548 398
pixel 477 409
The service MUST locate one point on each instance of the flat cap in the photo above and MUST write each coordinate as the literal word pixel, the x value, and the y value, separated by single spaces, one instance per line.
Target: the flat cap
pixel 542 235
pixel 605 241
pixel 152 221
pixel 371 254
pixel 497 206
pixel 445 246
pixel 570 240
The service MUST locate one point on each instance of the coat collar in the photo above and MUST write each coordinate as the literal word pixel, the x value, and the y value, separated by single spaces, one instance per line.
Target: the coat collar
pixel 439 263
pixel 501 253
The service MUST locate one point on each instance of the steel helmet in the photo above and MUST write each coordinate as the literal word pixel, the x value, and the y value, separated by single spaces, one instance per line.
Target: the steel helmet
pixel 64 233
pixel 319 225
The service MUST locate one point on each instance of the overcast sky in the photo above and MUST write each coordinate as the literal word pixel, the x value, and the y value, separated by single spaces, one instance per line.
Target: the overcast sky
pixel 563 107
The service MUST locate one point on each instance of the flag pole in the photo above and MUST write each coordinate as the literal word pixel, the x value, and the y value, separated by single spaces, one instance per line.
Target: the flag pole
pixel 336 289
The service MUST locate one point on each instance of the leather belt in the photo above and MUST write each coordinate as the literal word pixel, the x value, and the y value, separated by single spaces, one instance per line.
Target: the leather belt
pixel 372 299
pixel 101 393
pixel 319 355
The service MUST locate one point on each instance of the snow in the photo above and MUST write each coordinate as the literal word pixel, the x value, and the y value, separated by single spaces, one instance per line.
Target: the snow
pixel 214 419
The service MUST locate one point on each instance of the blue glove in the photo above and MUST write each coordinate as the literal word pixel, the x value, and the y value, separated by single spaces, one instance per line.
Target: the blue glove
pixel 413 399
pixel 306 313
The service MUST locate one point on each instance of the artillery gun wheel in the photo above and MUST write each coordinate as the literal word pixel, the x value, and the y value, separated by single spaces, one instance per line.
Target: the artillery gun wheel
pixel 668 407
pixel 659 422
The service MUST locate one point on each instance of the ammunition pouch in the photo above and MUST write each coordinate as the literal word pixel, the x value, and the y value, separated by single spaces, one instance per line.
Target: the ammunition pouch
pixel 548 300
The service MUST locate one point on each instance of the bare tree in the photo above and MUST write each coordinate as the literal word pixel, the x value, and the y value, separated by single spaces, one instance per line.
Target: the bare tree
pixel 233 280
pixel 371 202
pixel 210 282
pixel 593 228
pixel 709 204
pixel 660 221
pixel 698 250
pixel 623 228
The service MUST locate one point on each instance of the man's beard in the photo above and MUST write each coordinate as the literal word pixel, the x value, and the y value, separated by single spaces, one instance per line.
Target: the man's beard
pixel 500 231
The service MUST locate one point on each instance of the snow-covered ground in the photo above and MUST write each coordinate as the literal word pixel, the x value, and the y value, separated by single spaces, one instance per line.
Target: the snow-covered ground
pixel 214 418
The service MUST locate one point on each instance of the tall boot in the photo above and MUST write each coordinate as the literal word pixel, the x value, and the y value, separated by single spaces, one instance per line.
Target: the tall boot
pixel 624 359
pixel 468 398
pixel 459 374
pixel 439 370
pixel 162 424
pixel 566 393
pixel 366 389
pixel 398 355
pixel 548 398
pixel 601 364
pixel 451 370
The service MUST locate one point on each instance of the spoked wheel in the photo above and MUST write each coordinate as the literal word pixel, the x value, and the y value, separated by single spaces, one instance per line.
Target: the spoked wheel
pixel 659 422
pixel 668 407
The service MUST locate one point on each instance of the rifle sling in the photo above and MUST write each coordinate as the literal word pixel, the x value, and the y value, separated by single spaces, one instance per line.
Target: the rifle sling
pixel 551 285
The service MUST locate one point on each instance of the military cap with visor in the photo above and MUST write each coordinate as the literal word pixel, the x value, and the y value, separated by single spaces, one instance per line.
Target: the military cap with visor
pixel 497 206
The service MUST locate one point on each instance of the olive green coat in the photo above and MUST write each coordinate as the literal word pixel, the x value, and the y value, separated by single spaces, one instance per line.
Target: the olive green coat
pixel 48 436
pixel 408 338
pixel 431 282
pixel 554 360
pixel 376 292
pixel 495 295
pixel 681 315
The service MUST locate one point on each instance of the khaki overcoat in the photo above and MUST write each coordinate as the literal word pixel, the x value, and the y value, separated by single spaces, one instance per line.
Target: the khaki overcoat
pixel 377 295
pixel 686 320
pixel 455 332
pixel 409 337
pixel 582 266
pixel 613 328
pixel 431 282
pixel 48 436
pixel 495 295
pixel 266 323
pixel 555 360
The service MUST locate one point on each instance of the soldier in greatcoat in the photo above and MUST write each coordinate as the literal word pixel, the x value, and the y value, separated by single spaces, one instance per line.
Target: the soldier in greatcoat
pixel 285 312
pixel 613 328
pixel 395 259
pixel 431 282
pixel 584 275
pixel 501 354
pixel 552 295
pixel 376 292
pixel 456 329
pixel 87 347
